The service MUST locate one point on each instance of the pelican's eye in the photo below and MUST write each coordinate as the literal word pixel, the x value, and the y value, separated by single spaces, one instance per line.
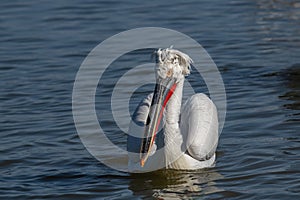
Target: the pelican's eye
pixel 169 73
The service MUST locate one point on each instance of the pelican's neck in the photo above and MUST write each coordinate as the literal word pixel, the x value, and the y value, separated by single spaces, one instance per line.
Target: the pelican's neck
pixel 173 107
pixel 172 136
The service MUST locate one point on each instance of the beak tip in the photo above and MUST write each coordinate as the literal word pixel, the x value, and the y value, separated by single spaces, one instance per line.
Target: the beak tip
pixel 142 162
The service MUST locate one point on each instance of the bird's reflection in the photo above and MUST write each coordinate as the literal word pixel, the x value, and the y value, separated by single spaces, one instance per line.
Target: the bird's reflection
pixel 175 184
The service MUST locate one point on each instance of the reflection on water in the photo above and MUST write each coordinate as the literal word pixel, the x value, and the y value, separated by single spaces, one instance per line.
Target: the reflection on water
pixel 291 78
pixel 275 22
pixel 165 184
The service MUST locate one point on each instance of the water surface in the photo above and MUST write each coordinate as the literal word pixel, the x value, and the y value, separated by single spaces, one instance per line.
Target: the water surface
pixel 255 44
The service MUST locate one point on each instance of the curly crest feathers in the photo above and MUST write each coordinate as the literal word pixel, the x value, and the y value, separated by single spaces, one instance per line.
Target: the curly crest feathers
pixel 172 62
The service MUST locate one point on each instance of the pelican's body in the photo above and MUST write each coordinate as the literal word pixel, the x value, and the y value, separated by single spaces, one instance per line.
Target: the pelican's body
pixel 171 135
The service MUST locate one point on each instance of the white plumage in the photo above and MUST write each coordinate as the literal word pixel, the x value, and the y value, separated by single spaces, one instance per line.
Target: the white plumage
pixel 189 134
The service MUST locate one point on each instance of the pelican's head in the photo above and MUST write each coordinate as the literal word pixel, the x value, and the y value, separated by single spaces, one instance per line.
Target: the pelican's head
pixel 172 66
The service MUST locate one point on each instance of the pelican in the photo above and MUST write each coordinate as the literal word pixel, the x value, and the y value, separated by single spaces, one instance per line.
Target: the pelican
pixel 162 132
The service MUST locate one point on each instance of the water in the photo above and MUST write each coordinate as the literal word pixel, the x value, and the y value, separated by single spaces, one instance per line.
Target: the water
pixel 255 45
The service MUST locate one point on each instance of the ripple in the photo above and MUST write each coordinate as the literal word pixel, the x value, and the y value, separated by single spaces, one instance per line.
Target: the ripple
pixel 255 45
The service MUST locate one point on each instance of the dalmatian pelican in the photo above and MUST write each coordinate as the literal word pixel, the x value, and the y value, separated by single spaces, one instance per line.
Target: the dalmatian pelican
pixel 163 133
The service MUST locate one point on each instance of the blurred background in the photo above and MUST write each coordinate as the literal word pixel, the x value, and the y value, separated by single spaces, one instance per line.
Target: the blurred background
pixel 255 44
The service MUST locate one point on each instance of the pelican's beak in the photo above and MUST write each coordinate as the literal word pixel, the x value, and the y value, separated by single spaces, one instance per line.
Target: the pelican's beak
pixel 164 89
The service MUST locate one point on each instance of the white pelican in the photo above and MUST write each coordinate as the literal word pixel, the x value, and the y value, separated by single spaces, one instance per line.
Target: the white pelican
pixel 164 134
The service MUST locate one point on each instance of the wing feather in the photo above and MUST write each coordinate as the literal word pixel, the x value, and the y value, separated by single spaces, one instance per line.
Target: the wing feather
pixel 137 124
pixel 199 127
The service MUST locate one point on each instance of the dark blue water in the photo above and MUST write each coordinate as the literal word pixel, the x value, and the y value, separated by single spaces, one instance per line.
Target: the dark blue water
pixel 255 44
